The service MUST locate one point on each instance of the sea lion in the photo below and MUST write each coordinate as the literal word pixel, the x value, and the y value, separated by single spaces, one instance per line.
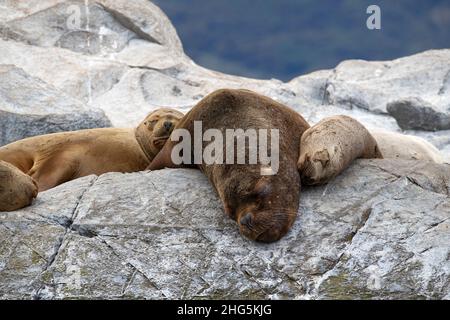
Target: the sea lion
pixel 264 206
pixel 401 146
pixel 53 159
pixel 17 190
pixel 331 145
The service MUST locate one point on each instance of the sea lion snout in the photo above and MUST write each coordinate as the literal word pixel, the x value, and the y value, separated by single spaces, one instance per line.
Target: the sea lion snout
pixel 314 168
pixel 168 125
pixel 264 226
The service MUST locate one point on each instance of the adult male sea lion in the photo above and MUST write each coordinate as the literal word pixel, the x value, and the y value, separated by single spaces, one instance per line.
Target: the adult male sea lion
pixel 264 206
pixel 53 159
pixel 17 190
pixel 330 146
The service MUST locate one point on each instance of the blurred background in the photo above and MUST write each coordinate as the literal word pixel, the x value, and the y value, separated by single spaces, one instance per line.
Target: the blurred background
pixel 285 38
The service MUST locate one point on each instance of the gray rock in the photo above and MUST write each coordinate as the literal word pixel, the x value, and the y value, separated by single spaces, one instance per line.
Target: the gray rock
pixel 372 85
pixel 380 230
pixel 29 107
pixel 94 27
pixel 79 76
pixel 416 114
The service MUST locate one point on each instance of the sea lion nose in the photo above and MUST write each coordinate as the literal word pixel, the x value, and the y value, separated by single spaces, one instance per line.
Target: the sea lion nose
pixel 168 125
pixel 246 219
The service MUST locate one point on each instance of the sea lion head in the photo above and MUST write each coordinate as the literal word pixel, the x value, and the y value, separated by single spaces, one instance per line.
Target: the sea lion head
pixel 262 210
pixel 317 166
pixel 330 146
pixel 153 132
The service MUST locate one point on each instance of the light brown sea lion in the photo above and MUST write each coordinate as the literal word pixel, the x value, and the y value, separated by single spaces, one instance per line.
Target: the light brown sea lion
pixel 17 190
pixel 264 206
pixel 60 157
pixel 401 146
pixel 330 146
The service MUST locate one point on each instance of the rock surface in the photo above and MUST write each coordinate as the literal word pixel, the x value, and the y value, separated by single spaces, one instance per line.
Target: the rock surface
pixel 30 107
pixel 416 114
pixel 380 230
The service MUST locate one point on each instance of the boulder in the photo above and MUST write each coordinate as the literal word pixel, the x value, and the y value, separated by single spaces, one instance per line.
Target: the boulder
pixel 372 85
pixel 30 107
pixel 378 231
pixel 416 114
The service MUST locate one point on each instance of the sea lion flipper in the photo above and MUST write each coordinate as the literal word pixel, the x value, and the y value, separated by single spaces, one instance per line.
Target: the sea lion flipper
pixel 17 190
pixel 163 159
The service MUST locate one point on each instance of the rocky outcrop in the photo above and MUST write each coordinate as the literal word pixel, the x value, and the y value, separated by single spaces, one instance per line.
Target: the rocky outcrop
pixel 416 114
pixel 30 107
pixel 380 230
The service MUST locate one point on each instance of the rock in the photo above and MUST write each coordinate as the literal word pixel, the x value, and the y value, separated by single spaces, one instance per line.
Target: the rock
pixel 380 230
pixel 29 107
pixel 372 85
pixel 82 77
pixel 416 114
pixel 91 27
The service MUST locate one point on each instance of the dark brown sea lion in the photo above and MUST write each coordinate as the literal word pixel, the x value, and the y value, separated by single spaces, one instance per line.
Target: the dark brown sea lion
pixel 57 158
pixel 17 190
pixel 264 204
pixel 330 146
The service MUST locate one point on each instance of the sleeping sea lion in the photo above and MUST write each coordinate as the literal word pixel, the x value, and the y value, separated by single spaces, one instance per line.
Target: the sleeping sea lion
pixel 53 159
pixel 263 201
pixel 330 146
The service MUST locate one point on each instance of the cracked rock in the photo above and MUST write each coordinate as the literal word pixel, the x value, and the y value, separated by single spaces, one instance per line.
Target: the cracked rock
pixel 379 230
pixel 370 233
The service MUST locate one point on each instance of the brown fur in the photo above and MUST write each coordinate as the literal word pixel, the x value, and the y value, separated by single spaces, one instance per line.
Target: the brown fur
pixel 57 158
pixel 330 146
pixel 264 206
pixel 17 190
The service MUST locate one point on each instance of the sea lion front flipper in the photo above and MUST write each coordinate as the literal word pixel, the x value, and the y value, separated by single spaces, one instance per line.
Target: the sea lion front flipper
pixel 163 159
pixel 17 190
